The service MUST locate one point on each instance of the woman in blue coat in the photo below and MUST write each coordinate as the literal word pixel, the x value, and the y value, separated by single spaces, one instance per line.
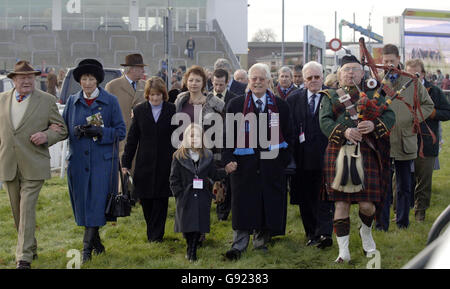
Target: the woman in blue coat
pixel 95 125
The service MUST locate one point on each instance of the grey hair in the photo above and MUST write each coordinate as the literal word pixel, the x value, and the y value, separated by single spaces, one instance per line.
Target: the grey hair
pixel 240 71
pixel 285 69
pixel 222 63
pixel 313 64
pixel 126 69
pixel 262 67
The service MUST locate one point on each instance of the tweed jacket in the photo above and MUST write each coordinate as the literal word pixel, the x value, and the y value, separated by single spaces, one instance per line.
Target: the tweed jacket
pixel 17 152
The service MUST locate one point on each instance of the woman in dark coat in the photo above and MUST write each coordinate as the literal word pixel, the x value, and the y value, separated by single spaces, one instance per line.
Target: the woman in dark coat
pixel 151 131
pixel 92 158
pixel 191 164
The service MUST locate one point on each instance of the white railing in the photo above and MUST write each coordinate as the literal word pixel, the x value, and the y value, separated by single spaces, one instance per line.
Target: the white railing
pixel 234 61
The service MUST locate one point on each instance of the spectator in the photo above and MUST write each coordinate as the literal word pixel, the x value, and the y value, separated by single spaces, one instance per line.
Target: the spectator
pixel 60 79
pixel 220 80
pixel 257 180
pixel 298 76
pixel 129 89
pixel 51 82
pixel 285 85
pixel 190 46
pixel 446 83
pixel 209 79
pixel 439 78
pixel 309 150
pixel 240 75
pixel 150 135
pixel 93 163
pixel 195 81
pixel 24 154
pixel 331 81
pixel 423 167
pixel 192 168
pixel 233 85
pixel 403 140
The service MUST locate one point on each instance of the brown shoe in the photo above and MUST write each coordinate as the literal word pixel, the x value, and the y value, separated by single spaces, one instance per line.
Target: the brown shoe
pixel 420 215
pixel 23 265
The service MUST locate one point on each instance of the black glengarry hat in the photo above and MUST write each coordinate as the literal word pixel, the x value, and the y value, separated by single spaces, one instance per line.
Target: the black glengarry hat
pixel 89 66
pixel 349 59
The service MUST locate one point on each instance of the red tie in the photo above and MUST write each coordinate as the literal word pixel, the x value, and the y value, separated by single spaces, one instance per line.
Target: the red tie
pixel 20 98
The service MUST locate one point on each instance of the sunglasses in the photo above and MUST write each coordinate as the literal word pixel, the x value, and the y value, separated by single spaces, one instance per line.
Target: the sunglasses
pixel 316 77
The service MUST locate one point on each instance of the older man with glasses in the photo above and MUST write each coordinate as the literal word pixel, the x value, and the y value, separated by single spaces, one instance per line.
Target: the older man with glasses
pixel 256 169
pixel 309 149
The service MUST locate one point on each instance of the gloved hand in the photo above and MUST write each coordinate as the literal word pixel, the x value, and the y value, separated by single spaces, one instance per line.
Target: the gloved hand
pixel 93 131
pixel 88 131
pixel 78 131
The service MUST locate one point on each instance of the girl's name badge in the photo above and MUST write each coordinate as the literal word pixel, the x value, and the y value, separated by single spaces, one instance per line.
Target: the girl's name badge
pixel 198 184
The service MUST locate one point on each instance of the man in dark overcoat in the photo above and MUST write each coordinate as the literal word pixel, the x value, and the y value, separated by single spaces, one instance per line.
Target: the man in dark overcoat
pixel 256 169
pixel 309 148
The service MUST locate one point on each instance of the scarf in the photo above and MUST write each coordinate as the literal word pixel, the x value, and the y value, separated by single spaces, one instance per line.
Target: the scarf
pixel 288 91
pixel 195 156
pixel 273 119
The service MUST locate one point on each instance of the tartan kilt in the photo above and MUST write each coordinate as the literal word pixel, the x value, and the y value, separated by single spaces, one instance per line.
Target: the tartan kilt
pixel 376 177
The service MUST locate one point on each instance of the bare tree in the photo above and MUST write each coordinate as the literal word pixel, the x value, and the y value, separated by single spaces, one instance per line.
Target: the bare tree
pixel 264 35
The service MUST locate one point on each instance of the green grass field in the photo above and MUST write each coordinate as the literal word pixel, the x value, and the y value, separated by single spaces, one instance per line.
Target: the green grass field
pixel 127 247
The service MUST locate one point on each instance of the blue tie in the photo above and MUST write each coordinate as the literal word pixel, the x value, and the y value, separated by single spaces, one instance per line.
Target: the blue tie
pixel 133 84
pixel 259 104
pixel 312 104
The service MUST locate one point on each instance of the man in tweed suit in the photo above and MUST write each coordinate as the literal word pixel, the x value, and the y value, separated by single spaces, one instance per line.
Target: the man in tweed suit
pixel 29 124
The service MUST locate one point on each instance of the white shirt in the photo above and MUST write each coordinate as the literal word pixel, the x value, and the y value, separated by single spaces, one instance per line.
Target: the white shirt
pixel 93 95
pixel 131 81
pixel 316 100
pixel 223 93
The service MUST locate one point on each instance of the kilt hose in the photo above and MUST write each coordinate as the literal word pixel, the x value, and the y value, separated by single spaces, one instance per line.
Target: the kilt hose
pixel 376 178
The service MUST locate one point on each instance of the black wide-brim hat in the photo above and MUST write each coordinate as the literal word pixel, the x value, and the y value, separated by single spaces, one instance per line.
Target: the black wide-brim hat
pixel 89 66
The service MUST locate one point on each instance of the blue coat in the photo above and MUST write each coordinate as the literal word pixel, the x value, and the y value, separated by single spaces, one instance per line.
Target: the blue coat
pixel 89 169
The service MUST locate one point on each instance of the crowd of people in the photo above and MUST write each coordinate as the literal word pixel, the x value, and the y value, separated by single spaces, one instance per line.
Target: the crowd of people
pixel 299 139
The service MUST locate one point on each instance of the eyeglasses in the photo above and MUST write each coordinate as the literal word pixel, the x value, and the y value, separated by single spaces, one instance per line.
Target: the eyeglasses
pixel 254 79
pixel 316 77
pixel 353 69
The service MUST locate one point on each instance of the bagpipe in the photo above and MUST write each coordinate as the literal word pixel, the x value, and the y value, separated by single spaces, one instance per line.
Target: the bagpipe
pixel 370 109
pixel 349 171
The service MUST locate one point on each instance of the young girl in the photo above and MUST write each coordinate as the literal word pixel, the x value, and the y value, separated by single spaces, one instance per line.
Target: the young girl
pixel 190 182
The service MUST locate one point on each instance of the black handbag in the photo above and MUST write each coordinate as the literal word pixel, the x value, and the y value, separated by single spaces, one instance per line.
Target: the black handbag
pixel 118 204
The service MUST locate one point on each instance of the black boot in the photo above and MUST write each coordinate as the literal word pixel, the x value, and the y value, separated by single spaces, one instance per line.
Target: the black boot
pixel 188 237
pixel 98 246
pixel 194 244
pixel 88 241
